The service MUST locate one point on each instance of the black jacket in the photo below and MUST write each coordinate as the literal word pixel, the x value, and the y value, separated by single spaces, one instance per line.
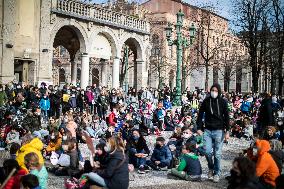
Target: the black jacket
pixel 139 145
pixel 265 116
pixel 216 113
pixel 116 174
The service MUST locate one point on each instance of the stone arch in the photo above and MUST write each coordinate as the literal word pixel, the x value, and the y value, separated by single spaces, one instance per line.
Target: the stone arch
pixel 109 34
pixel 138 43
pixel 76 27
pixel 62 77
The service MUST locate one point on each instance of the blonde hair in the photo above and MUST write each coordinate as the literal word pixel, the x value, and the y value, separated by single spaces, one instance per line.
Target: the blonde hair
pixel 116 143
pixel 31 160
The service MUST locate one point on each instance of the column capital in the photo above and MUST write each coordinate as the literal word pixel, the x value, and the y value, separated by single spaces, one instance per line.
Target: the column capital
pixel 139 61
pixel 84 54
pixel 116 57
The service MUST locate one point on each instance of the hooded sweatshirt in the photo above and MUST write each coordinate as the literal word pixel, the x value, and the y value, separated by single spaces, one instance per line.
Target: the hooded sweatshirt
pixel 216 113
pixel 266 168
pixel 35 146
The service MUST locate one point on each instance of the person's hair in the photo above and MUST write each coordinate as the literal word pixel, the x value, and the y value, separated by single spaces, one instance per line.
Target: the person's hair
pixel 161 139
pixel 31 160
pixel 186 128
pixel 247 118
pixel 27 138
pixel 29 181
pixel 14 148
pixel 280 182
pixel 9 165
pixel 246 167
pixel 190 146
pixel 116 143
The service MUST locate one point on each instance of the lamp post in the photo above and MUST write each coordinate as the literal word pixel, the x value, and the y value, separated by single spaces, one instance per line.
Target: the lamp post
pixel 180 42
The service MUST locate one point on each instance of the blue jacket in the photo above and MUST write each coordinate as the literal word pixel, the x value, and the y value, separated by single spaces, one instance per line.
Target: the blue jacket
pixel 162 154
pixel 245 107
pixel 167 104
pixel 44 104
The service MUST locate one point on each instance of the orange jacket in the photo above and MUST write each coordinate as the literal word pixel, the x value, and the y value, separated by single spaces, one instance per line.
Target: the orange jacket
pixel 53 146
pixel 265 165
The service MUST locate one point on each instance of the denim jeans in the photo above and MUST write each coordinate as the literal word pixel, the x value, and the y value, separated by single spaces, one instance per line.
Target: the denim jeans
pixel 96 178
pixel 213 142
pixel 137 162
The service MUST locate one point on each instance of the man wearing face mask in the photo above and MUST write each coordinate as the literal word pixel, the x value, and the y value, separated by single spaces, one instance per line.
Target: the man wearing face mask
pixel 215 128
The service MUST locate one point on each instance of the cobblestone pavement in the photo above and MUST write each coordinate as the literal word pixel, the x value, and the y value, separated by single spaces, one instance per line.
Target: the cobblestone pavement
pixel 157 180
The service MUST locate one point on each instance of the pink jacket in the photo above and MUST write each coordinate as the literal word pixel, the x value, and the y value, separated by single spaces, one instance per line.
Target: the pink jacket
pixel 90 96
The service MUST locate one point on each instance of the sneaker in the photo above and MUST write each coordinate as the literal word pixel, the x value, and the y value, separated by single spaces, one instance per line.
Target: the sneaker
pixel 141 170
pixel 146 169
pixel 210 174
pixel 216 178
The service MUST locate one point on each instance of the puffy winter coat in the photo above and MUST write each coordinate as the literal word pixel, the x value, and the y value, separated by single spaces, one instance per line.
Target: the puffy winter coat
pixel 35 146
pixel 14 181
pixel 266 168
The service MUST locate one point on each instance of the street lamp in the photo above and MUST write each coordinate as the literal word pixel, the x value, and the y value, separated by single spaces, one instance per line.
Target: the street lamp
pixel 180 42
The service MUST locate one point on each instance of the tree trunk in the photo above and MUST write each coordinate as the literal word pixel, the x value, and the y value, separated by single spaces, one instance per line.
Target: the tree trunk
pixel 255 77
pixel 206 76
pixel 272 83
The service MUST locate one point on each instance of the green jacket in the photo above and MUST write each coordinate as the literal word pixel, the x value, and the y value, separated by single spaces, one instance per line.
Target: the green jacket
pixel 190 164
pixel 42 176
pixel 3 98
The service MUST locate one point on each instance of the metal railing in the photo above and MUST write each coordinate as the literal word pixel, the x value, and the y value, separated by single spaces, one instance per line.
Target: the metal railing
pixel 100 15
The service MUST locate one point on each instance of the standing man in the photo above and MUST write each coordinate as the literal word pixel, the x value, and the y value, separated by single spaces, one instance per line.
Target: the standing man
pixel 215 128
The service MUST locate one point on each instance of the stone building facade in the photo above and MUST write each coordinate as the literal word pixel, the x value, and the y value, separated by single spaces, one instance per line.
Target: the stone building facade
pixel 32 30
pixel 227 54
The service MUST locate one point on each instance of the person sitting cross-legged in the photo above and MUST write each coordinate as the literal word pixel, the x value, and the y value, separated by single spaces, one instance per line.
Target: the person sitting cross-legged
pixel 189 167
pixel 161 157
pixel 138 151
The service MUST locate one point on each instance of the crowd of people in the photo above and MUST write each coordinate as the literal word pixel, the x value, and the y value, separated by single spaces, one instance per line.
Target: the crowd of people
pixel 43 127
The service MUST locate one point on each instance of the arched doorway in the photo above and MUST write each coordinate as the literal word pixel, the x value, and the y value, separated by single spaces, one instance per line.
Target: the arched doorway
pixel 78 74
pixel 62 79
pixel 130 67
pixel 70 42
pixel 95 76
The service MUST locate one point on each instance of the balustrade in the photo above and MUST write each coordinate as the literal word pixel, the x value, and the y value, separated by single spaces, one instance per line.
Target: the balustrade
pixel 89 11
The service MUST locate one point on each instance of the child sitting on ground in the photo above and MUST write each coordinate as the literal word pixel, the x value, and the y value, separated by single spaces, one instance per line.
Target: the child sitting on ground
pixel 14 149
pixel 161 157
pixel 33 165
pixel 189 167
pixel 30 182
pixel 248 129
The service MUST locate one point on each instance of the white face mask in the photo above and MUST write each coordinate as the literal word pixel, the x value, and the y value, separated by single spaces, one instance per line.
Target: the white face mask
pixel 107 148
pixel 52 137
pixel 64 137
pixel 214 94
pixel 186 136
pixel 254 151
pixel 280 122
pixel 65 147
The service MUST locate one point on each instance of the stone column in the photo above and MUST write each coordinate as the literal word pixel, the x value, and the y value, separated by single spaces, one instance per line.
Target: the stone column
pixel 104 73
pixel 26 72
pixel 85 72
pixel 141 76
pixel 73 72
pixel 115 72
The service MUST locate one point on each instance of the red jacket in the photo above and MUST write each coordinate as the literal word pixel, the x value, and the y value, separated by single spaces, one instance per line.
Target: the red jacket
pixel 14 181
pixel 112 119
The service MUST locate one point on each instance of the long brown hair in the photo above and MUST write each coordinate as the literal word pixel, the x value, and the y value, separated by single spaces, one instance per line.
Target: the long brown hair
pixel 116 143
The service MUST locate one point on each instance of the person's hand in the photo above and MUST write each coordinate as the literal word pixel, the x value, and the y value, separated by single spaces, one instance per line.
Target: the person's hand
pixel 138 155
pixel 199 132
pixel 173 139
pixel 157 162
pixel 227 136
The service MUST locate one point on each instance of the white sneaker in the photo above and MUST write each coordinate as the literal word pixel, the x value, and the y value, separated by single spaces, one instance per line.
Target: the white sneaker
pixel 210 174
pixel 216 178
